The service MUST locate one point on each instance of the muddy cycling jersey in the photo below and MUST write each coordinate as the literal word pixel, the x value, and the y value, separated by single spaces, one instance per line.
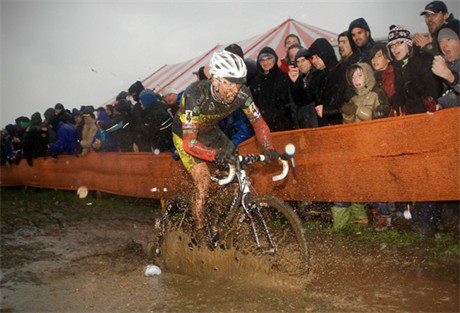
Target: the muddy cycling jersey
pixel 199 114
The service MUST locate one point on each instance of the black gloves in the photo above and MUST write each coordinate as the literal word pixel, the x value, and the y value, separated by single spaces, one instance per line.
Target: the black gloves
pixel 270 155
pixel 224 157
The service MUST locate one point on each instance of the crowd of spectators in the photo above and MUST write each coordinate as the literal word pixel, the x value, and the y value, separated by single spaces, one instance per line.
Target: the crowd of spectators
pixel 310 87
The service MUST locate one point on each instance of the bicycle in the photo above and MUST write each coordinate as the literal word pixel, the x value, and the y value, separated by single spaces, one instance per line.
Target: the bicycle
pixel 278 236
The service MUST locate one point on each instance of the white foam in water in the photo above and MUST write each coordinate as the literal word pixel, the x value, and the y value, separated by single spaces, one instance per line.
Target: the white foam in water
pixel 152 270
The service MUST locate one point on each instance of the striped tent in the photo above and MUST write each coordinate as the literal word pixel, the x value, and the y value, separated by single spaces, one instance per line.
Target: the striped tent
pixel 180 75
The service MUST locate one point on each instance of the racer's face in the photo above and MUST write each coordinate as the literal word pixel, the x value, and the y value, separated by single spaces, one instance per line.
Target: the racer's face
pixel 228 90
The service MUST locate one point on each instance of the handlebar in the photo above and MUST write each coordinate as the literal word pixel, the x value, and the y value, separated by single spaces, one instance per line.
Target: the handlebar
pixel 249 159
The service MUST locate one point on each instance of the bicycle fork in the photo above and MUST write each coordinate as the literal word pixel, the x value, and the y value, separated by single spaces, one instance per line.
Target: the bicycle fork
pixel 252 213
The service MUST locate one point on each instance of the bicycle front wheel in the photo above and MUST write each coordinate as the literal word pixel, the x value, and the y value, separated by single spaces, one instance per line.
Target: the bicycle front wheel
pixel 278 236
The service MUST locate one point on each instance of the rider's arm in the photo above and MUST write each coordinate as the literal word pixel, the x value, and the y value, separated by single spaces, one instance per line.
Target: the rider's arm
pixel 190 125
pixel 261 130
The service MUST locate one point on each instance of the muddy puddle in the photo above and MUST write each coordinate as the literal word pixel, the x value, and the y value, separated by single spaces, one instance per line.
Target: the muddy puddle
pixel 98 267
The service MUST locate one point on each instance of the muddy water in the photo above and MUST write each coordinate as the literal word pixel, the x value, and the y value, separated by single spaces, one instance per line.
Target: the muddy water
pixel 99 268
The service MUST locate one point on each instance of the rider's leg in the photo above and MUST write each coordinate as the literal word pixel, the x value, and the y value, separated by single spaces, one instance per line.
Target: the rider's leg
pixel 201 179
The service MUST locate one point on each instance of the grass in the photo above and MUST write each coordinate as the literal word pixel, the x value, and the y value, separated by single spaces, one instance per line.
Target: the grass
pixel 44 208
pixel 443 245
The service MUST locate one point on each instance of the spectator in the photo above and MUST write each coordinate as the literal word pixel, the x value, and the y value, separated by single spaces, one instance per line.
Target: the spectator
pixel 415 83
pixel 290 40
pixel 157 123
pixel 448 66
pixel 251 65
pixel 325 82
pixel 270 91
pixel 89 130
pixel 347 58
pixel 135 90
pixel 62 114
pixel 102 142
pixel 416 87
pixel 119 129
pixel 301 89
pixel 78 122
pixel 172 98
pixel 6 149
pixel 109 110
pixel 237 127
pixel 66 142
pixel 35 139
pixel 370 101
pixel 384 72
pixel 361 39
pixel 436 15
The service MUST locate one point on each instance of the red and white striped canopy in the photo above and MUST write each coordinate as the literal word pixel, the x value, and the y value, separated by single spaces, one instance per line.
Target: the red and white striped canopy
pixel 180 75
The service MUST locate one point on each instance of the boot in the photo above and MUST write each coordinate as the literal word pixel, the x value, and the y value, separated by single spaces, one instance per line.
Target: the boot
pixel 358 214
pixel 340 217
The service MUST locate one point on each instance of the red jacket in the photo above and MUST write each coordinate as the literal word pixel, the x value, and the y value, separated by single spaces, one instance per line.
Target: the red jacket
pixel 284 66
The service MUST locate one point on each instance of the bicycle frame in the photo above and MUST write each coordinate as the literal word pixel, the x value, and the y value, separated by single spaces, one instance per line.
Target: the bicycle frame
pixel 244 193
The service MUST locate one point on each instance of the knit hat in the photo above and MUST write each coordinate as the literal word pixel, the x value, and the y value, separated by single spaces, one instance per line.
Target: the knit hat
pixel 450 30
pixel 59 106
pixel 147 97
pixel 399 34
pixel 303 53
pixel 76 112
pixel 168 90
pixel 435 7
pixel 123 106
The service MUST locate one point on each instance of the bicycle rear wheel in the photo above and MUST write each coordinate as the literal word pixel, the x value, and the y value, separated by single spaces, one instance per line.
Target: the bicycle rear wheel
pixel 280 235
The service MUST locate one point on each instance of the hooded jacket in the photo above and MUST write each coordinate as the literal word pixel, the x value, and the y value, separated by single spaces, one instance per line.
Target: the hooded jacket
pixel 366 100
pixel 325 83
pixel 270 94
pixel 364 52
pixel 35 139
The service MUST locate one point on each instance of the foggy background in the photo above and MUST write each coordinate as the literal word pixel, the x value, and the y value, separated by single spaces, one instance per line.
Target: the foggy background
pixel 85 52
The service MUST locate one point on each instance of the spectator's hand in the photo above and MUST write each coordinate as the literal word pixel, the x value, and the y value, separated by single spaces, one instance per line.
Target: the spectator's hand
pixel 319 110
pixel 349 108
pixel 293 73
pixel 270 155
pixel 96 144
pixel 224 157
pixel 440 68
pixel 430 104
pixel 421 40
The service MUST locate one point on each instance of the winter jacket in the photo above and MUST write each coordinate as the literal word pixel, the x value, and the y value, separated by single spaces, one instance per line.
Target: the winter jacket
pixel 304 97
pixel 362 106
pixel 237 127
pixel 415 81
pixel 89 130
pixel 66 142
pixel 325 83
pixel 270 94
pixel 35 139
pixel 451 98
pixel 155 128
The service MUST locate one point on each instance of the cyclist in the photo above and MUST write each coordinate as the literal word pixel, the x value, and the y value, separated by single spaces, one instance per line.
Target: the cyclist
pixel 196 133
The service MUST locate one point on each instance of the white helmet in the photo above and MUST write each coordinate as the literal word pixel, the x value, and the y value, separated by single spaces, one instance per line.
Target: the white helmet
pixel 229 66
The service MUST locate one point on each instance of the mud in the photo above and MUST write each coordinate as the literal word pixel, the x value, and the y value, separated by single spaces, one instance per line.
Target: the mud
pixel 97 266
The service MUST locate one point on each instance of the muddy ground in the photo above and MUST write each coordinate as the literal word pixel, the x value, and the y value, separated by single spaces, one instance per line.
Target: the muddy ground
pixel 62 254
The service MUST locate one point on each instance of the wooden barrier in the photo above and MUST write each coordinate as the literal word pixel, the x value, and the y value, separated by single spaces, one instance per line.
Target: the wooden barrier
pixel 409 158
